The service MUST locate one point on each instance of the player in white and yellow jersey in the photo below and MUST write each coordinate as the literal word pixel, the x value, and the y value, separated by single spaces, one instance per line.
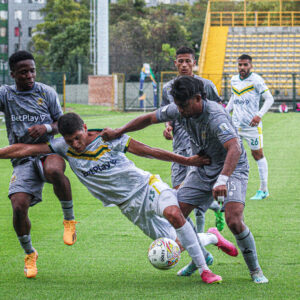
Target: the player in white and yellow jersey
pixel 247 89
pixel 111 177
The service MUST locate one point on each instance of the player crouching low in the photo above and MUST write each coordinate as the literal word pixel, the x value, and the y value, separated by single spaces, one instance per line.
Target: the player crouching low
pixel 110 176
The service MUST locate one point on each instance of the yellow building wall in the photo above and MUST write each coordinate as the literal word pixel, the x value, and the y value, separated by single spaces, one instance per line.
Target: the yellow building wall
pixel 215 55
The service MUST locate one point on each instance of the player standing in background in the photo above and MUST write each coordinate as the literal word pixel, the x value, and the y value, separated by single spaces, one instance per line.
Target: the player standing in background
pixel 213 134
pixel 31 112
pixel 246 90
pixel 111 177
pixel 185 62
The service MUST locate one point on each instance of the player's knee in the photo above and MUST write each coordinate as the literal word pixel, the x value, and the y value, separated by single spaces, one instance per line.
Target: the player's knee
pixel 174 216
pixel 54 174
pixel 20 209
pixel 234 223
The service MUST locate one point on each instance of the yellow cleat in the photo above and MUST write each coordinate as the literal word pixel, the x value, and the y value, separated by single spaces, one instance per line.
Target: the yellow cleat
pixel 70 232
pixel 30 268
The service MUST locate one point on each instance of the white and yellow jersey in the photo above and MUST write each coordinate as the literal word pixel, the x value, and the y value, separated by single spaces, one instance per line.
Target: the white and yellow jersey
pixel 245 95
pixel 105 170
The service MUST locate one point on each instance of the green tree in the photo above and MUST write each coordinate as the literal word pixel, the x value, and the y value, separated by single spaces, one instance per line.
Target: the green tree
pixel 62 41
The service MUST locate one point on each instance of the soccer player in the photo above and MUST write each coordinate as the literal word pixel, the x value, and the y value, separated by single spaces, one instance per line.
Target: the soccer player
pixel 185 62
pixel 143 198
pixel 31 112
pixel 246 90
pixel 213 135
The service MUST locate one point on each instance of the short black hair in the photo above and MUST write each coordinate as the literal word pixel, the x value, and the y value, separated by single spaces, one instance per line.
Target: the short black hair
pixel 246 56
pixel 69 123
pixel 19 56
pixel 187 87
pixel 185 50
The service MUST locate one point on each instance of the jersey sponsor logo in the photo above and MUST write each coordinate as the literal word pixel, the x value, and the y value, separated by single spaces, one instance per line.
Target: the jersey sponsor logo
pixel 241 102
pixel 99 168
pixel 243 91
pixel 28 118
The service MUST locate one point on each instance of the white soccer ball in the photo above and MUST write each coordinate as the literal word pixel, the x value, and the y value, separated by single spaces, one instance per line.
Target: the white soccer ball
pixel 164 253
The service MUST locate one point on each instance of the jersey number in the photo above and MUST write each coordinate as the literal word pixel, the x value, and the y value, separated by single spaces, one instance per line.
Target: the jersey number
pixel 254 142
pixel 151 195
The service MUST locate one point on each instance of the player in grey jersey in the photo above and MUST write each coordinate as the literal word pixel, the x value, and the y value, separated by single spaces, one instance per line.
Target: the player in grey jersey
pixel 185 62
pixel 143 198
pixel 212 134
pixel 31 112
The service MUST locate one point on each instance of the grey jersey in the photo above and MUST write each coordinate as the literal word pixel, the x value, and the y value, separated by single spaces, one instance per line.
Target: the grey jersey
pixel 105 170
pixel 40 105
pixel 180 137
pixel 208 133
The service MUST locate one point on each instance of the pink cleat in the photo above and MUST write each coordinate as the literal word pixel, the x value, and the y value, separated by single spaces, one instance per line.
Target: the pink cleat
pixel 209 277
pixel 223 244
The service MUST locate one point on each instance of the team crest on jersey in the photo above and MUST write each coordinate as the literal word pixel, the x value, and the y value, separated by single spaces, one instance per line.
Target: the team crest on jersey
pixel 13 179
pixel 40 101
pixel 224 128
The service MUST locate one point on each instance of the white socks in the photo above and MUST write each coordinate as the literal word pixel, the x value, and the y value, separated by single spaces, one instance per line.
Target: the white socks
pixel 263 173
pixel 189 241
pixel 207 238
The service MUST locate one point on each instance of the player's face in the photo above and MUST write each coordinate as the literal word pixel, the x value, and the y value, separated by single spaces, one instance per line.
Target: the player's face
pixel 185 63
pixel 78 140
pixel 24 74
pixel 244 66
pixel 190 108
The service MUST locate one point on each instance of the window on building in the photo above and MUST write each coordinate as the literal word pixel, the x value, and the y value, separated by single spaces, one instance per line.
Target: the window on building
pixel 4 1
pixel 3 31
pixel 3 14
pixel 18 1
pixel 3 48
pixel 16 46
pixel 18 15
pixel 35 15
pixel 37 1
pixel 30 31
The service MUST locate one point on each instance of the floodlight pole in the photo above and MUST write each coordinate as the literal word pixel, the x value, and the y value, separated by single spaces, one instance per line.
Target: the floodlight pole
pixel 102 37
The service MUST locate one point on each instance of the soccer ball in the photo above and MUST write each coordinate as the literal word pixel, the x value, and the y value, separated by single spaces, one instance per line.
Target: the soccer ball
pixel 164 253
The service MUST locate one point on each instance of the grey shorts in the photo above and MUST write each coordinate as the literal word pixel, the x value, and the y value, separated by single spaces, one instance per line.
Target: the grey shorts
pixel 179 172
pixel 199 193
pixel 26 179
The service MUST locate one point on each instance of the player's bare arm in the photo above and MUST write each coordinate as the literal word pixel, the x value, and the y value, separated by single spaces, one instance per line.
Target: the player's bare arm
pixel 167 133
pixel 234 152
pixel 136 124
pixel 23 150
pixel 143 150
pixel 39 130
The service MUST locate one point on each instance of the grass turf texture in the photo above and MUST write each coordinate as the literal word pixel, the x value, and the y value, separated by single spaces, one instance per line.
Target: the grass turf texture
pixel 109 259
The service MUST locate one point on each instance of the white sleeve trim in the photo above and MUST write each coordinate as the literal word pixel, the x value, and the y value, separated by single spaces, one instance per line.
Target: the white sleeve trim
pixel 229 105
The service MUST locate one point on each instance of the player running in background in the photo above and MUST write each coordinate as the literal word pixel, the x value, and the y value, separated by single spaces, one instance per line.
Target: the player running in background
pixel 246 90
pixel 185 62
pixel 31 112
pixel 111 177
pixel 211 133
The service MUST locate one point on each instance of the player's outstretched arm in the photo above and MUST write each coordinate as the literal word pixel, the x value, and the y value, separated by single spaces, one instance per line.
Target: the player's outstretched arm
pixel 134 125
pixel 23 150
pixel 143 150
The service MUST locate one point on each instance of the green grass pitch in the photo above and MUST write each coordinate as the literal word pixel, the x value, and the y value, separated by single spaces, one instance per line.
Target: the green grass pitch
pixel 109 259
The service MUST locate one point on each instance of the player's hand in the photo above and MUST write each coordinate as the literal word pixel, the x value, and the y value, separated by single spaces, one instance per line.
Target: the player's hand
pixel 168 132
pixel 255 121
pixel 198 160
pixel 219 191
pixel 109 134
pixel 37 131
